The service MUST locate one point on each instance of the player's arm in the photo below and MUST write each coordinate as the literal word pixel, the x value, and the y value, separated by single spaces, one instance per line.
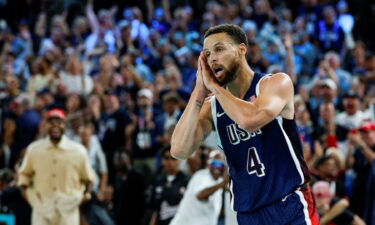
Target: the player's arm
pixel 192 128
pixel 195 123
pixel 274 94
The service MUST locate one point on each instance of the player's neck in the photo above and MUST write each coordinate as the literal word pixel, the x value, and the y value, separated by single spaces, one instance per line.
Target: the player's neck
pixel 241 84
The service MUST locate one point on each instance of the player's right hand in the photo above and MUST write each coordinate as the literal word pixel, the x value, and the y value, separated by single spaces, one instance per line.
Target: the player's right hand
pixel 199 84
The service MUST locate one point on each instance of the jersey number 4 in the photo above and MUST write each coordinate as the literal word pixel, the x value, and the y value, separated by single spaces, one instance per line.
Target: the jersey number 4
pixel 254 165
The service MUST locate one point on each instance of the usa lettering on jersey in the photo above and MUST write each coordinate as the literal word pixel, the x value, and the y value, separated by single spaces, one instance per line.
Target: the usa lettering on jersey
pixel 237 134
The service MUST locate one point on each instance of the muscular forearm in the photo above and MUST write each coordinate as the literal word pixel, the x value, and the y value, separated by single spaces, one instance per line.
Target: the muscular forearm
pixel 186 136
pixel 246 114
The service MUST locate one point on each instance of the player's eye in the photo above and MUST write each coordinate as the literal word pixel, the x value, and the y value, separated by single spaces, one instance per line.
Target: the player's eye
pixel 219 49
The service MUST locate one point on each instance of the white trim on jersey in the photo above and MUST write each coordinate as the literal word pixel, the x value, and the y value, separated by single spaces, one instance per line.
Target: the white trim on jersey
pixel 214 118
pixel 257 87
pixel 291 150
pixel 219 144
pixel 305 207
pixel 232 194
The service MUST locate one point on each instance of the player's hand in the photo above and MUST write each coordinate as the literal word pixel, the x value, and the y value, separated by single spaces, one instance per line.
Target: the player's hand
pixel 209 79
pixel 199 84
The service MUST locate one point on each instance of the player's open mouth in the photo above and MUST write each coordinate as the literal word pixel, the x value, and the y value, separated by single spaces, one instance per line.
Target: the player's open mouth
pixel 219 72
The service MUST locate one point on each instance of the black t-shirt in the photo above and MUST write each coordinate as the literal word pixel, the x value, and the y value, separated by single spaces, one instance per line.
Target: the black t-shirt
pixel 112 130
pixel 13 200
pixel 363 169
pixel 129 198
pixel 166 196
pixel 345 218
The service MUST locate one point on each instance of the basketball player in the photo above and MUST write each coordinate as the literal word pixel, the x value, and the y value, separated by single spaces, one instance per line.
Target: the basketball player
pixel 253 117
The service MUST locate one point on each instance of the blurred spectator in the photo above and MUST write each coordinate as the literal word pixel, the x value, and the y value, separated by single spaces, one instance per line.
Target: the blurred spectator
pixel 141 133
pixel 330 34
pixel 353 116
pixel 256 59
pixel 363 145
pixel 102 38
pixel 343 77
pixel 346 21
pixel 130 187
pixel 107 75
pixel 172 113
pixel 12 202
pixel 111 131
pixel 41 76
pixel 56 186
pixel 167 190
pixel 74 79
pixel 328 170
pixel 23 127
pixel 331 209
pixel 97 158
pixel 203 198
pixel 94 213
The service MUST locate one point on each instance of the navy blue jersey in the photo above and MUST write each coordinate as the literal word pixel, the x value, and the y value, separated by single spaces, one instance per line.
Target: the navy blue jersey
pixel 264 165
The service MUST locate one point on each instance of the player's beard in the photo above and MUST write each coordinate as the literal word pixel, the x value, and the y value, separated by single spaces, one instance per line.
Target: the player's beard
pixel 231 73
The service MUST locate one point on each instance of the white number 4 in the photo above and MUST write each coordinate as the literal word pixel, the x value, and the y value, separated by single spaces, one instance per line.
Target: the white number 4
pixel 254 165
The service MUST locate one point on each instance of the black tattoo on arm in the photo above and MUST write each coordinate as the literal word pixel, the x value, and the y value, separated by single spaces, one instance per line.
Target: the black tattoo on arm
pixel 199 103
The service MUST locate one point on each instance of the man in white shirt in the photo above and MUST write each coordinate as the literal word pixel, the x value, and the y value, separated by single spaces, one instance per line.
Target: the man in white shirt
pixel 353 117
pixel 202 201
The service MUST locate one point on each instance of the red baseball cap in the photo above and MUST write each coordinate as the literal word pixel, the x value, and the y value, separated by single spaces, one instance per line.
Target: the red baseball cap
pixel 56 113
pixel 367 127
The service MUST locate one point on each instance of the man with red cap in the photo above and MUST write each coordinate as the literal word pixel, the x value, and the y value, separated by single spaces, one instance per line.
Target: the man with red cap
pixel 56 175
pixel 363 145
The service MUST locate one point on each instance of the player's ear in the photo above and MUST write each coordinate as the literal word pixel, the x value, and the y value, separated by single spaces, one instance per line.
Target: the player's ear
pixel 242 49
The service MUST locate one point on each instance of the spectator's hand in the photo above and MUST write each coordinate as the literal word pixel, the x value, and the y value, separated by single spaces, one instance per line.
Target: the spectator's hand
pixel 288 41
pixel 113 10
pixel 86 197
pixel 355 139
pixel 318 149
pixel 100 196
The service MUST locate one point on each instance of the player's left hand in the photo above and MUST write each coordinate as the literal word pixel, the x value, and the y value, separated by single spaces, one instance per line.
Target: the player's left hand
pixel 209 79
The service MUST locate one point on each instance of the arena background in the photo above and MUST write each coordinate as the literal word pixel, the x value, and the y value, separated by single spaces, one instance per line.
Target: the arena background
pixel 123 71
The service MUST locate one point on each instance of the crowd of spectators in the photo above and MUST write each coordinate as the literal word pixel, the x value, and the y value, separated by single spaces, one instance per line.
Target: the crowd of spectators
pixel 123 72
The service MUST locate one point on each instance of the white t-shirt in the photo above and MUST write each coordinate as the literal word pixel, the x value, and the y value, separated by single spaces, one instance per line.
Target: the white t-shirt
pixel 193 211
pixel 74 83
pixel 354 121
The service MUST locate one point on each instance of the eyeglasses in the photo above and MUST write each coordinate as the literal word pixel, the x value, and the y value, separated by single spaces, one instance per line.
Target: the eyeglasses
pixel 169 158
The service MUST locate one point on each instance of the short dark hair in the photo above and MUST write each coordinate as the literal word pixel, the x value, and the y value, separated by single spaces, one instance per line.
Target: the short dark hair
pixel 323 159
pixel 235 32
